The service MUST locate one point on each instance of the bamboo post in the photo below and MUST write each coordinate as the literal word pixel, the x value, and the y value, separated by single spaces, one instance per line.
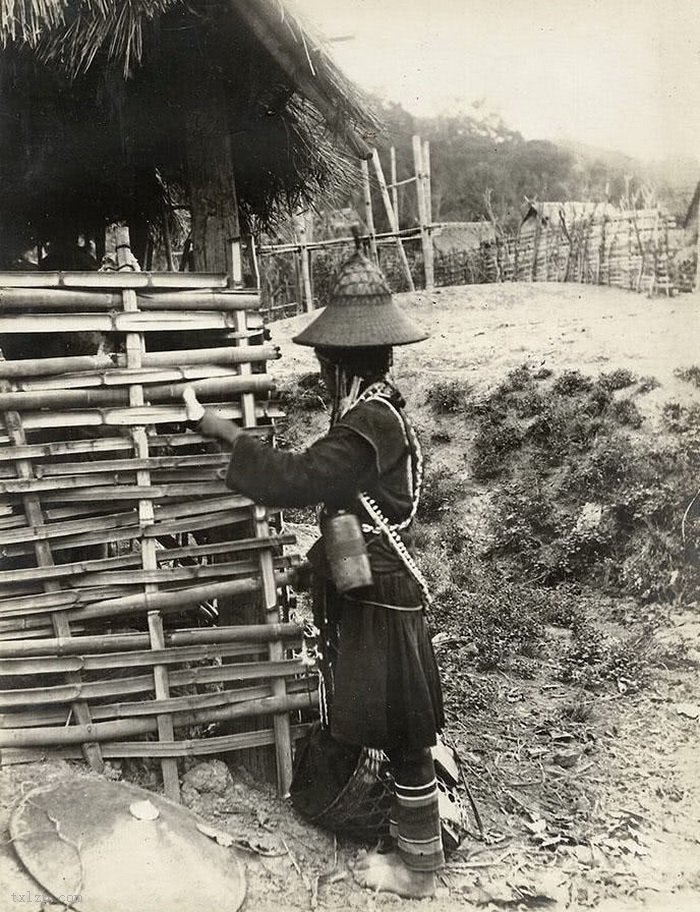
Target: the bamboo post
pixel 535 250
pixel 391 216
pixel 369 213
pixel 394 185
pixel 167 242
pixel 261 528
pixel 300 230
pixel 422 214
pixel 428 212
pixel 134 353
pixel 44 558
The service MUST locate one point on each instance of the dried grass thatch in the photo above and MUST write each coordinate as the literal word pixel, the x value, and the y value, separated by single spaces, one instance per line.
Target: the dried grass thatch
pixel 95 96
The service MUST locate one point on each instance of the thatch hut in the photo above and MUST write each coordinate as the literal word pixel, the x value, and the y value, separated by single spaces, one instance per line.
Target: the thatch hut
pixel 123 111
pixel 117 531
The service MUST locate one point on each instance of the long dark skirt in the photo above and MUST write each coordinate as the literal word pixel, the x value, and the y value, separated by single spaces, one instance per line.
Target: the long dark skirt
pixel 386 687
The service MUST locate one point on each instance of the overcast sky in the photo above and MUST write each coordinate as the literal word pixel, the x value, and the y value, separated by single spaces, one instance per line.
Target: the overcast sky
pixel 621 74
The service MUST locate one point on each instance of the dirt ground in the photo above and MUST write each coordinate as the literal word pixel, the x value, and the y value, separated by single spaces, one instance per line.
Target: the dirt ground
pixel 587 801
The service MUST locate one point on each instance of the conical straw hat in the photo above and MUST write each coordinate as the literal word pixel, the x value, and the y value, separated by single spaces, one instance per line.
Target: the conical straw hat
pixel 360 313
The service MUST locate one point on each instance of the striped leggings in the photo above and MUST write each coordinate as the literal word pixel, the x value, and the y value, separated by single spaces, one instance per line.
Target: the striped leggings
pixel 415 818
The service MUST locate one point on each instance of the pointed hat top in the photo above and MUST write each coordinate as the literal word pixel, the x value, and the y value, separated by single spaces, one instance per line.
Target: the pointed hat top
pixel 361 312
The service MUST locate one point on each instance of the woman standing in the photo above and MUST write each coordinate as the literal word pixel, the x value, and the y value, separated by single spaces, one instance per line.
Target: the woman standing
pixel 381 678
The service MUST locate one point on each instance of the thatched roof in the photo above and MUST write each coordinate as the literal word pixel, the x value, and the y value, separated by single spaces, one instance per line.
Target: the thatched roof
pixel 97 99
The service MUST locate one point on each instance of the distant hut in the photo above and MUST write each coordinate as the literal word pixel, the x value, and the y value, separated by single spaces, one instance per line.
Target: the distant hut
pixel 543 216
pixel 123 111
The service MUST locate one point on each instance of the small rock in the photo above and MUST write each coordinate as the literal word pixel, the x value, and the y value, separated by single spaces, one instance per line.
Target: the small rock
pixel 190 797
pixel 210 776
pixel 689 710
pixel 567 758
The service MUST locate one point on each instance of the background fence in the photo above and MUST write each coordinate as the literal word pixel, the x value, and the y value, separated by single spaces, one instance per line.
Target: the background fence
pixel 637 249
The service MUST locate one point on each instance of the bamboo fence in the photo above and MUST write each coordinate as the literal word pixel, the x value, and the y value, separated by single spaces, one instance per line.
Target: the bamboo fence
pixel 632 249
pixel 126 564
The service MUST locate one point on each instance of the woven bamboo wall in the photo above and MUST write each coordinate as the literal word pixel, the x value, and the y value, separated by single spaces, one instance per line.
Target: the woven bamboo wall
pixel 138 594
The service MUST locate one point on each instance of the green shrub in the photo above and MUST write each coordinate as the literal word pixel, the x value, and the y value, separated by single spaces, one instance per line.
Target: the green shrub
pixel 689 374
pixel 616 380
pixel 493 445
pixel 572 382
pixel 647 384
pixel 596 658
pixel 448 397
pixel 441 488
pixel 681 419
pixel 625 412
pixel 498 620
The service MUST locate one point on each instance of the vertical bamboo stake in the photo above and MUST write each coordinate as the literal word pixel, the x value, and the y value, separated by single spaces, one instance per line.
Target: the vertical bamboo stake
pixel 391 216
pixel 369 213
pixel 281 725
pixel 256 265
pixel 44 558
pixel 422 218
pixel 535 250
pixel 167 242
pixel 428 212
pixel 394 188
pixel 300 229
pixel 134 355
pixel 234 262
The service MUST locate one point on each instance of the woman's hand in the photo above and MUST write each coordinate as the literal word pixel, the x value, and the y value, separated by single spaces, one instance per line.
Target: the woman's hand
pixel 208 422
pixel 193 407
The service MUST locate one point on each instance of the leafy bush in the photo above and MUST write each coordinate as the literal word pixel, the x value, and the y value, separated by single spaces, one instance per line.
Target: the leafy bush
pixel 625 411
pixel 596 658
pixel 494 443
pixel 616 380
pixel 689 374
pixel 448 397
pixel 572 382
pixel 681 419
pixel 498 620
pixel 441 488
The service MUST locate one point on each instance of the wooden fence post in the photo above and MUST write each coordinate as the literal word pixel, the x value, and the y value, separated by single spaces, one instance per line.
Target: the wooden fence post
pixel 428 211
pixel 369 212
pixel 391 216
pixel 300 231
pixel 394 185
pixel 422 215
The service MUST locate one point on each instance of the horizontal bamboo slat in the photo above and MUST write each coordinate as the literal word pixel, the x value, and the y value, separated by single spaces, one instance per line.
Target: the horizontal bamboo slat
pixel 163 392
pixel 89 364
pixel 77 301
pixel 77 568
pixel 133 322
pixel 217 744
pixel 172 600
pixel 59 713
pixel 121 728
pixel 145 658
pixel 129 417
pixel 115 642
pixel 113 280
pixel 112 444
